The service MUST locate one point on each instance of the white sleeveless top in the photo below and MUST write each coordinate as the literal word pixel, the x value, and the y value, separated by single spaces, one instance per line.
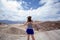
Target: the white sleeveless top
pixel 29 26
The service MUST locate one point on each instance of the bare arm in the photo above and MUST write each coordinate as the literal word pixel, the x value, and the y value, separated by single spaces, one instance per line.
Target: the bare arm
pixel 24 24
pixel 34 23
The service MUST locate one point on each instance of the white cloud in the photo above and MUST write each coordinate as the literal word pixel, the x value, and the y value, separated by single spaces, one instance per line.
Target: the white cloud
pixel 11 5
pixel 48 10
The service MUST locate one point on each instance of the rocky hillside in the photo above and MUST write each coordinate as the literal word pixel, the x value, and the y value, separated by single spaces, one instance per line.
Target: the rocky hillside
pixel 48 25
pixel 17 32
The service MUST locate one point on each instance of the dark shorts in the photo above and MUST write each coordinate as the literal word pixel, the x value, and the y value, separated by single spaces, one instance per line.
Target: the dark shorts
pixel 30 31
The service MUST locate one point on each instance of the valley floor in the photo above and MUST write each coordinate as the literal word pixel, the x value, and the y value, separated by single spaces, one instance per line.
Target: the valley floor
pixel 47 35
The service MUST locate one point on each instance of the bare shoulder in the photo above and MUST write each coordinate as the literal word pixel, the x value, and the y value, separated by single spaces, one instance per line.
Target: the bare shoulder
pixel 33 23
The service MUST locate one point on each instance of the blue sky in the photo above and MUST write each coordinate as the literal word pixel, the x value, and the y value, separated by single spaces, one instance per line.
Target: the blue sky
pixel 40 10
pixel 34 4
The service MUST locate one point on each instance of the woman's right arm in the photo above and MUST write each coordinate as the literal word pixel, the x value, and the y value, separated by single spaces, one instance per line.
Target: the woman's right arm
pixel 25 23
